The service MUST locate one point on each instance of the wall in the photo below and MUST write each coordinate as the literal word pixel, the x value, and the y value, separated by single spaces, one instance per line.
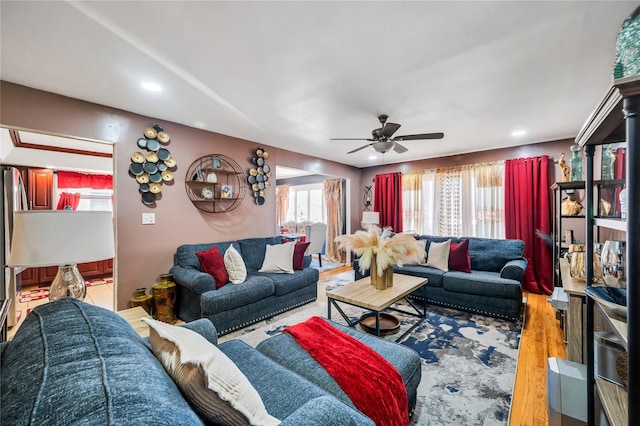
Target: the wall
pixel 145 251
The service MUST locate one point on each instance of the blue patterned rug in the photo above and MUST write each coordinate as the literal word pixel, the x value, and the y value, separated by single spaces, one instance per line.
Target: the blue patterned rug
pixel 469 360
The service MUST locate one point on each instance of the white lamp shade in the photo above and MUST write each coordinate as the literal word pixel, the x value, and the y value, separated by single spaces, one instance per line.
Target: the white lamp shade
pixel 371 217
pixel 61 237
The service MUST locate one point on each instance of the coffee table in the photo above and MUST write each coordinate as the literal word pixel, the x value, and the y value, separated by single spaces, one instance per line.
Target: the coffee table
pixel 363 295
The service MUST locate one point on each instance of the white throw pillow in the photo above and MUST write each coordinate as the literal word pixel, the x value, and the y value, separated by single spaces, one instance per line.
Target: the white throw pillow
pixel 279 258
pixel 422 243
pixel 438 256
pixel 236 268
pixel 209 380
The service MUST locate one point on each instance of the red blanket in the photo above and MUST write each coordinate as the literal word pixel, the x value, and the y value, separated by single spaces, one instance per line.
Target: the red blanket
pixel 372 383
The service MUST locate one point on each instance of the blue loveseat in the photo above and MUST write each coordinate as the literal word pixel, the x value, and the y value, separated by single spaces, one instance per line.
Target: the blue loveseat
pixel 493 288
pixel 234 306
pixel 75 363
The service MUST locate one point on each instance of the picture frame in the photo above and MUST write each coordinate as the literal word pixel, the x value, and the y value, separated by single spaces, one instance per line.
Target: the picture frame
pixel 226 191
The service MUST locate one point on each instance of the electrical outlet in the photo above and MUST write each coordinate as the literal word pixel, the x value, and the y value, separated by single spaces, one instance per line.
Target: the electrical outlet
pixel 148 218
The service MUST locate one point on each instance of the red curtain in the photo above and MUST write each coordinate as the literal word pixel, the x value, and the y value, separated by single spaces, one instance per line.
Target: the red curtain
pixel 527 210
pixel 81 180
pixel 387 200
pixel 68 199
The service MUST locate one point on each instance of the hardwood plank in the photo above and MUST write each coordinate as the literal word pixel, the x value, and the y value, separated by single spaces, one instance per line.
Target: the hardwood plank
pixel 541 339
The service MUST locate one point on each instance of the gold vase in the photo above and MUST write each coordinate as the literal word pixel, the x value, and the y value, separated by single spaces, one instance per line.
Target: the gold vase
pixel 164 298
pixel 381 282
pixel 140 298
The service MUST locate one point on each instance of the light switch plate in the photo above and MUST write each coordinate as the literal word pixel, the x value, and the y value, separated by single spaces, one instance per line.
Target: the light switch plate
pixel 148 218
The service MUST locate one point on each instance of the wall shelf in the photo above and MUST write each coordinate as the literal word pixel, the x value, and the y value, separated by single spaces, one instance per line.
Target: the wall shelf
pixel 215 184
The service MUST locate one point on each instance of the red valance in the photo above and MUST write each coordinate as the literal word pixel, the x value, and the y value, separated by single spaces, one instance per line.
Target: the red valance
pixel 81 180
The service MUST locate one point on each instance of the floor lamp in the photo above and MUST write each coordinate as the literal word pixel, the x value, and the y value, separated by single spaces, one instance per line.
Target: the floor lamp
pixel 62 238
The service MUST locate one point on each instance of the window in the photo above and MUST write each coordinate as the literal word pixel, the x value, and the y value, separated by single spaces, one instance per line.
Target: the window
pixel 92 199
pixel 306 203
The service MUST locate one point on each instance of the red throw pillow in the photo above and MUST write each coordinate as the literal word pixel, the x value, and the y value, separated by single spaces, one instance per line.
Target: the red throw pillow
pixel 212 262
pixel 459 258
pixel 298 256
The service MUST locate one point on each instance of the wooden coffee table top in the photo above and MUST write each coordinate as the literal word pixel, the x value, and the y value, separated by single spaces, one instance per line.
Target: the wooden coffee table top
pixel 361 293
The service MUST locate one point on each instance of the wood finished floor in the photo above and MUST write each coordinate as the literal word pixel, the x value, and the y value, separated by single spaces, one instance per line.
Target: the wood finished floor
pixel 541 339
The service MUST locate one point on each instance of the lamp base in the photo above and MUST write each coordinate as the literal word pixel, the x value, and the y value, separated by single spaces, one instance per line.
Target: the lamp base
pixel 68 283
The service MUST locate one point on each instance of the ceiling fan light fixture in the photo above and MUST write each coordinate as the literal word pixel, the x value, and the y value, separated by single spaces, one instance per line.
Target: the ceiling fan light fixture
pixel 383 146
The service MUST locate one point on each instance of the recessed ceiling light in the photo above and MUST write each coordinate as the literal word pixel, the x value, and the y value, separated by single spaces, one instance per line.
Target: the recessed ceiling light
pixel 517 133
pixel 152 87
pixel 373 157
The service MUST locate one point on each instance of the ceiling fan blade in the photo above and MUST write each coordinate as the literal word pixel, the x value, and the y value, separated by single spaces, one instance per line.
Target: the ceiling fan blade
pixel 399 148
pixel 358 149
pixel 389 129
pixel 418 137
pixel 352 139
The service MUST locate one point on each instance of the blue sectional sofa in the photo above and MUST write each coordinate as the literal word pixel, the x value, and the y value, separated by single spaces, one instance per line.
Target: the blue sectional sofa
pixel 75 363
pixel 493 288
pixel 232 307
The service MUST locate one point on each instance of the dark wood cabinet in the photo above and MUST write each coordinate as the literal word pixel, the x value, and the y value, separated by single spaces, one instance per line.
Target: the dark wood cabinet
pixel 43 276
pixel 40 189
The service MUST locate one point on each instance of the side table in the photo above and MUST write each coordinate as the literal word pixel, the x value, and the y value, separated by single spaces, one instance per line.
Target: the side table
pixel 134 317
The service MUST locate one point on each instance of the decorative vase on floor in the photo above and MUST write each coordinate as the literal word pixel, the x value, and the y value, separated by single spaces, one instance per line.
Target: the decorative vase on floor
pixel 164 298
pixel 381 282
pixel 140 298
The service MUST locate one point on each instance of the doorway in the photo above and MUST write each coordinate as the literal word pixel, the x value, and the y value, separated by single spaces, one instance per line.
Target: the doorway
pixel 36 159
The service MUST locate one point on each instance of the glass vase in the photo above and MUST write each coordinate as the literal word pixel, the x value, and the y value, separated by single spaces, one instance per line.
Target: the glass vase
pixel 613 258
pixel 576 163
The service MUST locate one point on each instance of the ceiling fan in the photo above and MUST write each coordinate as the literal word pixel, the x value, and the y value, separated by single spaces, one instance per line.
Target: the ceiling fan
pixel 382 139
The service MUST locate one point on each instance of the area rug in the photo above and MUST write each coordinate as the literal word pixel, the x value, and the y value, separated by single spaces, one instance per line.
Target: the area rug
pixel 468 361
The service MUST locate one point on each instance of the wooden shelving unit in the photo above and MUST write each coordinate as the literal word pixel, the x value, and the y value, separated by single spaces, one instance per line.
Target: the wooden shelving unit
pixel 215 184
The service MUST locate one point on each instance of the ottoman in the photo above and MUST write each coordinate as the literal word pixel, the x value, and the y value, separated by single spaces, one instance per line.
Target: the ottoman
pixel 285 351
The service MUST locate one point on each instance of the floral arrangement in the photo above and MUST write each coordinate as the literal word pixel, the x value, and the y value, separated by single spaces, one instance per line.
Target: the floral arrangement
pixel 388 250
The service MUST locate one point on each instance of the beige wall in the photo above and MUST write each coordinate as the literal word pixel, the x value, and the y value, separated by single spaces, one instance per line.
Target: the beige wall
pixel 145 251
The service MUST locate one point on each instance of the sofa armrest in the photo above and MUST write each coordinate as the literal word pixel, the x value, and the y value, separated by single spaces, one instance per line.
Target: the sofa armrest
pixel 196 281
pixel 514 269
pixel 358 274
pixel 204 327
pixel 326 410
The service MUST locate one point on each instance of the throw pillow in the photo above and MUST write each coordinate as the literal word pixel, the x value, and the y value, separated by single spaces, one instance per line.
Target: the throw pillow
pixel 298 256
pixel 235 265
pixel 422 243
pixel 438 256
pixel 278 258
pixel 212 263
pixel 459 257
pixel 209 380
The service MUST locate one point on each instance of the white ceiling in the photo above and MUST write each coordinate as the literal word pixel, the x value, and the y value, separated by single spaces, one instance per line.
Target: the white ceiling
pixel 295 74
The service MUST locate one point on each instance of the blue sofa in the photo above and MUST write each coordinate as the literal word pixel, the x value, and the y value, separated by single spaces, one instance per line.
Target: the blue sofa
pixel 493 288
pixel 232 307
pixel 75 363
